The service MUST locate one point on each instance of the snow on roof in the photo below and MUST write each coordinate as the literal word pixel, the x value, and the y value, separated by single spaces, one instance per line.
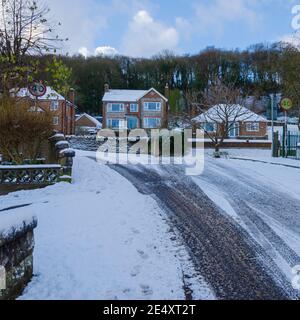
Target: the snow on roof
pixel 127 95
pixel 92 119
pixel 51 94
pixel 235 112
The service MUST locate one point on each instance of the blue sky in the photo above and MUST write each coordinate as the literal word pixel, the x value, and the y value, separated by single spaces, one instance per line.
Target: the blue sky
pixel 144 27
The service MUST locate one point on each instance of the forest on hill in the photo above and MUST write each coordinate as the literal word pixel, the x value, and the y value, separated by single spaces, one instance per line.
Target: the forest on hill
pixel 258 71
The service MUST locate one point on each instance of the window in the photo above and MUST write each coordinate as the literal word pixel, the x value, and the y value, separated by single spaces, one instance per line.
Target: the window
pixel 152 106
pixel 134 107
pixel 115 107
pixel 151 123
pixel 252 127
pixel 54 105
pixel 209 127
pixel 116 123
pixel 55 121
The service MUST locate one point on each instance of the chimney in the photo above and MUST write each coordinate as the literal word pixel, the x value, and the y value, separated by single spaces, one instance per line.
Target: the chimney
pixel 167 91
pixel 106 87
pixel 72 95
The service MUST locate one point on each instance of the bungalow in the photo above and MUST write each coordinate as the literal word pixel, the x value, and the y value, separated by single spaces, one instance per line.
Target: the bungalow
pixel 62 109
pixel 244 124
pixel 85 123
pixel 131 109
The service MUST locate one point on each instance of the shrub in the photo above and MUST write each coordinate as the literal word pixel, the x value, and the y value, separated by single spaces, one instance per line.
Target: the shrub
pixel 23 129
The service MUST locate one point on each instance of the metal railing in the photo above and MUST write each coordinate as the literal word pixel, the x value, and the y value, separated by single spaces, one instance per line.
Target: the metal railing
pixel 30 174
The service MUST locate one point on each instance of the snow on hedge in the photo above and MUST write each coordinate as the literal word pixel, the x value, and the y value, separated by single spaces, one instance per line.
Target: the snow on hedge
pixel 12 222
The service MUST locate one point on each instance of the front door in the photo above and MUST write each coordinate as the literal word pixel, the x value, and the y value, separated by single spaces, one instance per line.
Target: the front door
pixel 132 123
pixel 234 130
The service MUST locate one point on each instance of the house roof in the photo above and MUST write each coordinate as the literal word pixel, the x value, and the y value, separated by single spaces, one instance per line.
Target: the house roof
pixel 127 95
pixel 234 112
pixel 92 119
pixel 50 94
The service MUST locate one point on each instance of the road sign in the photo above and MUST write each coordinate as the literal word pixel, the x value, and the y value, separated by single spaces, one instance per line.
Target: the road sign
pixel 286 104
pixel 37 89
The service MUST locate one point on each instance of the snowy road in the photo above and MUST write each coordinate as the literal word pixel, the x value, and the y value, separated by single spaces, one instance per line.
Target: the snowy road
pixel 242 232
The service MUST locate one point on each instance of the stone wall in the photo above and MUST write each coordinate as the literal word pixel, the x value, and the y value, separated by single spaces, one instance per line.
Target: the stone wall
pixel 16 252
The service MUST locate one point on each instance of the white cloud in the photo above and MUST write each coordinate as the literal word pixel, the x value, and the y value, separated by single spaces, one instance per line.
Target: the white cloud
pixel 146 36
pixel 84 51
pixel 85 21
pixel 105 51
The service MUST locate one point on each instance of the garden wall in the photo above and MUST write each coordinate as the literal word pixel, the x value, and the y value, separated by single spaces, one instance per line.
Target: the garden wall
pixel 16 252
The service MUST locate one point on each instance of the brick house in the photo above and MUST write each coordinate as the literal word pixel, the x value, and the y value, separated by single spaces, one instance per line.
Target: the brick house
pixel 86 122
pixel 244 123
pixel 132 109
pixel 62 109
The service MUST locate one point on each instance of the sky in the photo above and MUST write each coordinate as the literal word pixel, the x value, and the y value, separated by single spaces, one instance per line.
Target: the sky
pixel 143 28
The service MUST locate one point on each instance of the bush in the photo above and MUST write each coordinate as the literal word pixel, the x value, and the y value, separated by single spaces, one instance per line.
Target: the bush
pixel 22 130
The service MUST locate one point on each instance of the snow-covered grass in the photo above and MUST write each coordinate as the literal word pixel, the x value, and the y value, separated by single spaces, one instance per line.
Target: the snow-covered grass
pixel 99 238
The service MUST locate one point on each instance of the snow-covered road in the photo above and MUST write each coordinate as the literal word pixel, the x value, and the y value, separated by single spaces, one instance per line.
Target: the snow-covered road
pixel 151 232
pixel 245 239
pixel 264 199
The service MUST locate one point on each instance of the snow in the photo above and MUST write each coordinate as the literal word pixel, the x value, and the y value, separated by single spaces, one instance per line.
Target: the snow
pixel 279 177
pixel 12 222
pixel 58 135
pixel 99 238
pixel 98 125
pixel 50 94
pixel 61 143
pixel 263 156
pixel 231 140
pixel 67 150
pixel 235 112
pixel 123 95
pixel 30 166
pixel 127 95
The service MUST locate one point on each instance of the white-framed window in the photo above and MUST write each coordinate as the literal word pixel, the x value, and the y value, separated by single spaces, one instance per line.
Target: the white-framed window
pixel 151 123
pixel 54 105
pixel 252 126
pixel 55 121
pixel 210 127
pixel 116 123
pixel 152 106
pixel 134 107
pixel 115 107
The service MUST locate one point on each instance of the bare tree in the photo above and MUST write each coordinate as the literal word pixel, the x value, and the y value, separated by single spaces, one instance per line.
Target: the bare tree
pixel 222 108
pixel 24 31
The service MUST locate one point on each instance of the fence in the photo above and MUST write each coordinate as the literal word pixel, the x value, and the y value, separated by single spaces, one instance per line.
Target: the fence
pixel 293 138
pixel 30 174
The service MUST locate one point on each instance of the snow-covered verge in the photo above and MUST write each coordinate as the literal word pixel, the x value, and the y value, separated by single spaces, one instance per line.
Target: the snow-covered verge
pixel 261 155
pixel 99 238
